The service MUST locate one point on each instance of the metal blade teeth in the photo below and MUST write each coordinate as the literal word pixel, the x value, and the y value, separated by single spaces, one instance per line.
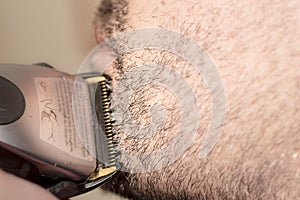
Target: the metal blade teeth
pixel 107 120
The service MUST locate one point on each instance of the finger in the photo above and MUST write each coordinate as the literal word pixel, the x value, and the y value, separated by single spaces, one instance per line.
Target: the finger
pixel 12 188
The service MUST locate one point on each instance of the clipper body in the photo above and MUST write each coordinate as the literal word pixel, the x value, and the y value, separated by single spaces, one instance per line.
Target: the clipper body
pixel 55 128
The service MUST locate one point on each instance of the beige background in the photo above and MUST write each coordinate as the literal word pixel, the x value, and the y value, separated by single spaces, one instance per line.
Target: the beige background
pixel 59 32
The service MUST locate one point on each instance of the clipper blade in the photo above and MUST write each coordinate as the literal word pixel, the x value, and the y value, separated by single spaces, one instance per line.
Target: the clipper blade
pixel 106 148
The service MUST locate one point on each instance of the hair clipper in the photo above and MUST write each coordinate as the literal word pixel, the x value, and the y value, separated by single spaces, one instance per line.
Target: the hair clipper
pixel 56 129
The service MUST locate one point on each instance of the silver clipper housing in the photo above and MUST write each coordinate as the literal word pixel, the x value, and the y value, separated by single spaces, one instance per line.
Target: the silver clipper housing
pixel 56 129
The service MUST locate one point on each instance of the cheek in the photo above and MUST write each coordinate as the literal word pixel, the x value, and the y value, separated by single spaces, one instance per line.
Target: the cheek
pixel 147 100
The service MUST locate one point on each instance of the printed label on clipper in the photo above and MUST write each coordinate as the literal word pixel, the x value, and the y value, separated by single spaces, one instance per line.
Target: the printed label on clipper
pixel 62 104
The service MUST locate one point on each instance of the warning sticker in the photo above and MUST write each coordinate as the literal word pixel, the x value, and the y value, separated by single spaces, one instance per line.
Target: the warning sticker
pixel 66 115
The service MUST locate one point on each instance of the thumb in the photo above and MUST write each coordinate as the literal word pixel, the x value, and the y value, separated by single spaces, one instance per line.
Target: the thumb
pixel 12 187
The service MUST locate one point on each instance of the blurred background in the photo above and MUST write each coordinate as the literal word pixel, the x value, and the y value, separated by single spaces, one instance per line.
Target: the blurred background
pixel 57 32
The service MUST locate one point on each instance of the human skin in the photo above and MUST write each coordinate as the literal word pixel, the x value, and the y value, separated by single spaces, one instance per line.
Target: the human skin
pixel 12 188
pixel 255 46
